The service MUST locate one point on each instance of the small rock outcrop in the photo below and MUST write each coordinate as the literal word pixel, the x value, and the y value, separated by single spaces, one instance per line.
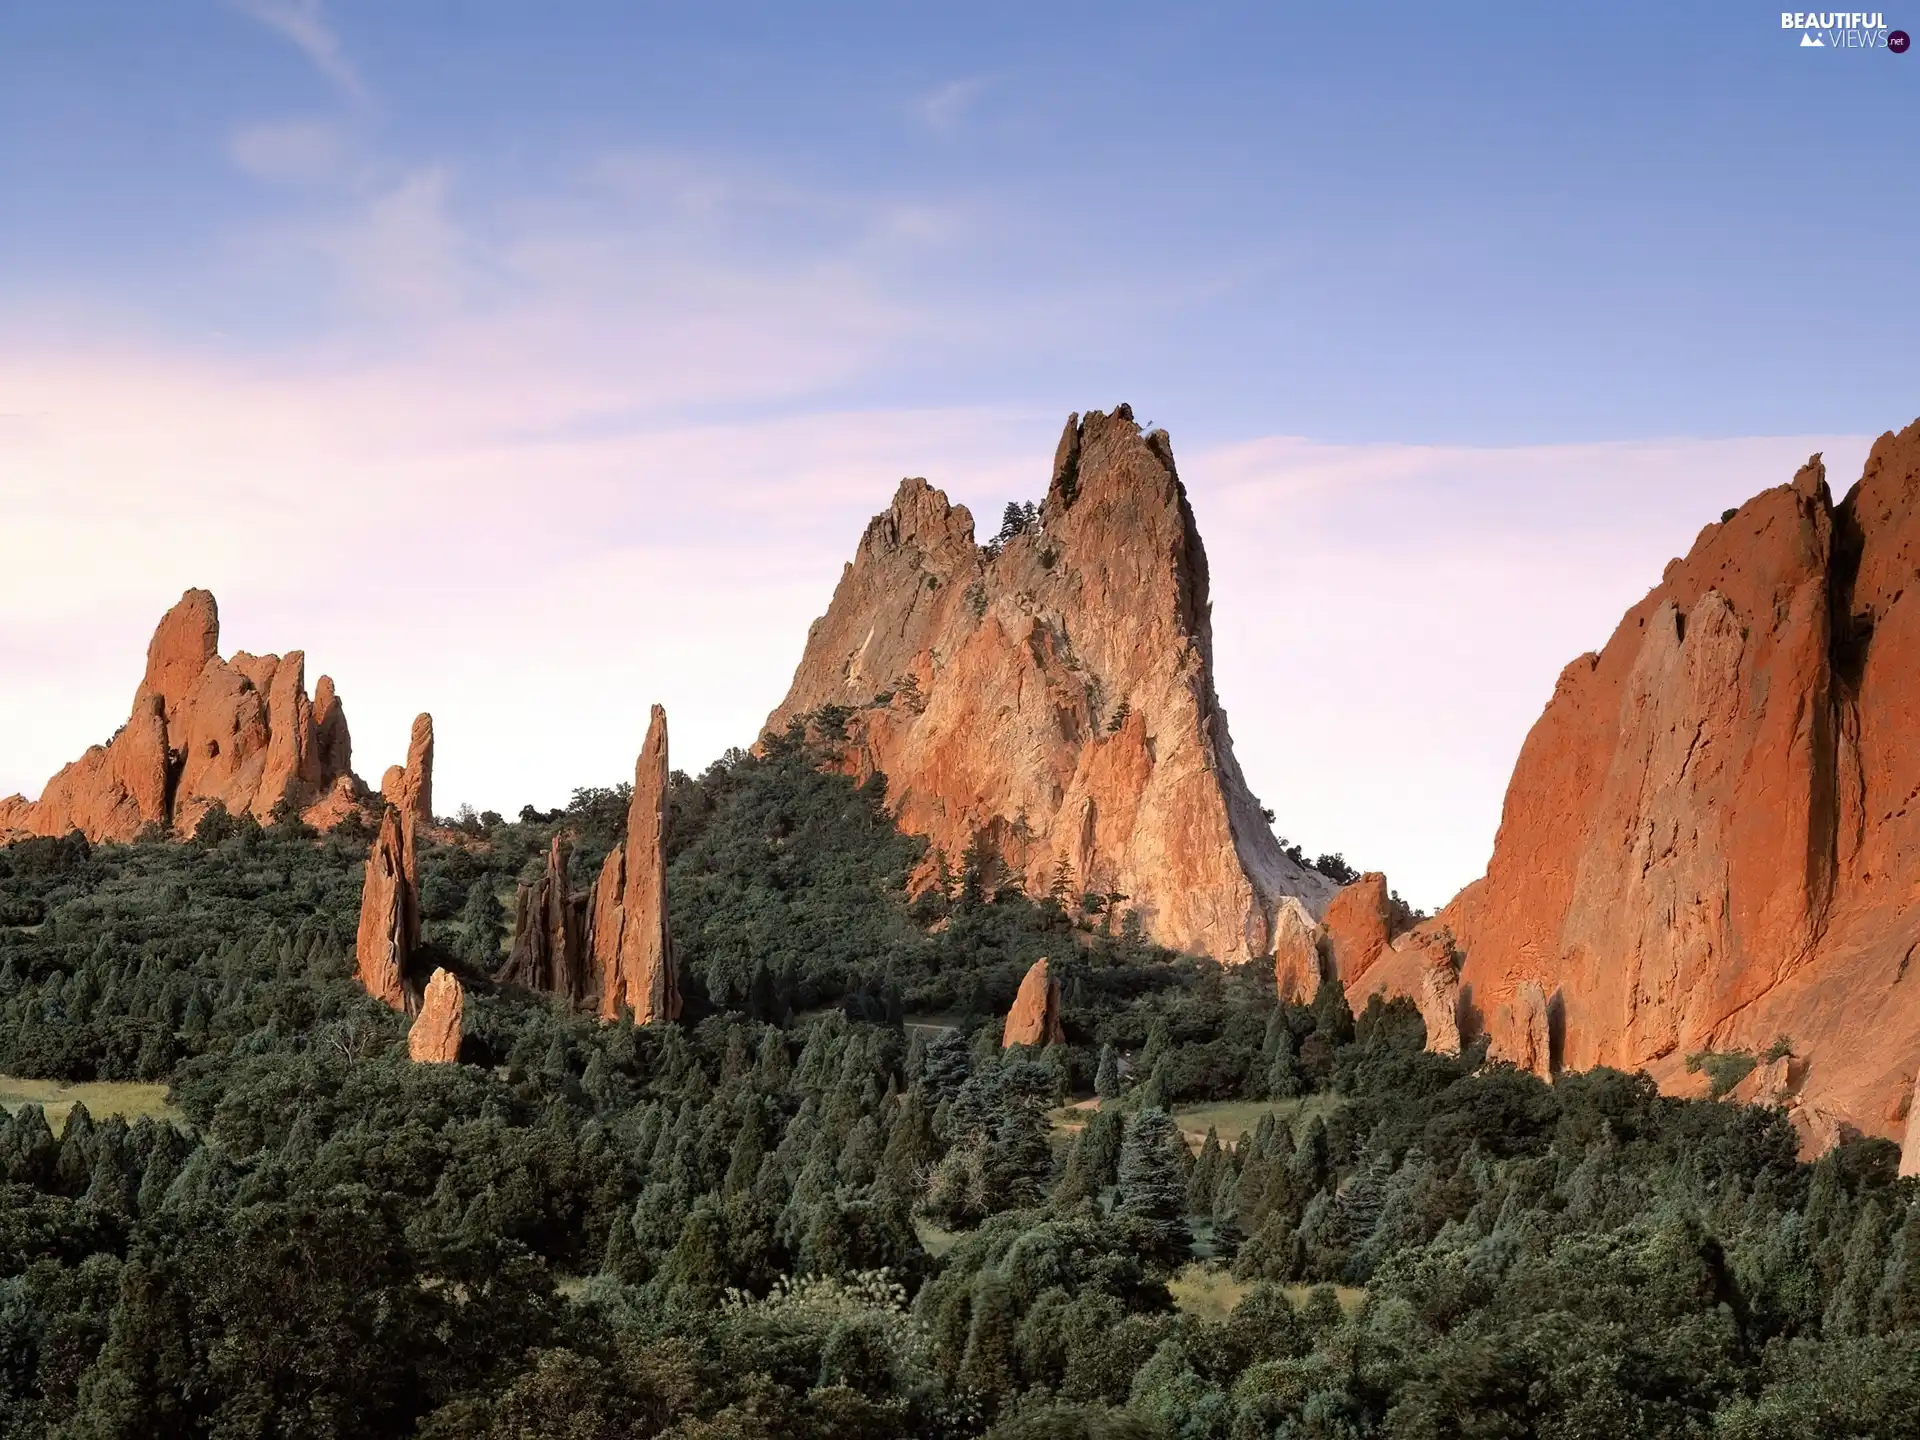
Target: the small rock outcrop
pixel 549 944
pixel 1047 700
pixel 435 1036
pixel 1439 995
pixel 389 912
pixel 1359 924
pixel 239 733
pixel 1297 966
pixel 1035 1016
pixel 632 945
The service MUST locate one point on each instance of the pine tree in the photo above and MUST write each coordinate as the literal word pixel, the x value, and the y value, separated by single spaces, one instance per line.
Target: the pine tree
pixel 1206 1175
pixel 1106 1078
pixel 1153 1178
pixel 1284 1080
pixel 1897 1305
pixel 1850 1310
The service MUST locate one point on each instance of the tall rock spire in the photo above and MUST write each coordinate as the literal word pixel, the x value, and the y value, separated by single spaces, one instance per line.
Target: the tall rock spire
pixel 632 946
pixel 1047 700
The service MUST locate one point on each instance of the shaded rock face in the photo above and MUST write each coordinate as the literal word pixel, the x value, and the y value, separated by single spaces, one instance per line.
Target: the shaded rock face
pixel 1035 1016
pixel 389 912
pixel 241 733
pixel 1358 923
pixel 1522 1032
pixel 1910 1148
pixel 434 1038
pixel 1050 701
pixel 549 941
pixel 632 949
pixel 1297 965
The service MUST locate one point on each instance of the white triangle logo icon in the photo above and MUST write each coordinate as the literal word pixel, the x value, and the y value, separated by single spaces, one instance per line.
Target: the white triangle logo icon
pixel 1808 42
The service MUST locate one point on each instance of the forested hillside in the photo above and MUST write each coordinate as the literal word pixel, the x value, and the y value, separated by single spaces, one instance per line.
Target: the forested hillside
pixel 828 1204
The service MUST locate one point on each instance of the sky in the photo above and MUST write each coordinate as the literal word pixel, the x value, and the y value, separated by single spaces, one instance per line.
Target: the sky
pixel 527 364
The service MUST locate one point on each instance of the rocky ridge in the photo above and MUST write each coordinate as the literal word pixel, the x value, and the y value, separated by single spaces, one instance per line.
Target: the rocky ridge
pixel 1044 705
pixel 240 733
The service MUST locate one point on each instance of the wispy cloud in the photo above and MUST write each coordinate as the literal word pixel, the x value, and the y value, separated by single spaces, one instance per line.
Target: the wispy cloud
pixel 943 109
pixel 304 24
pixel 296 153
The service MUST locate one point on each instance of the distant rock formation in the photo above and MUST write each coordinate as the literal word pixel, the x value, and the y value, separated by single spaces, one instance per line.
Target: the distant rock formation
pixel 1711 835
pixel 1358 923
pixel 1046 703
pixel 409 787
pixel 1439 997
pixel 1297 964
pixel 632 948
pixel 549 941
pixel 434 1038
pixel 389 912
pixel 239 733
pixel 1035 1016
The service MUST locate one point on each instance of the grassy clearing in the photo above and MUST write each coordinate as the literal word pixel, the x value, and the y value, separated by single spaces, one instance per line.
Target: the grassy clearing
pixel 1236 1118
pixel 127 1098
pixel 933 1239
pixel 1207 1293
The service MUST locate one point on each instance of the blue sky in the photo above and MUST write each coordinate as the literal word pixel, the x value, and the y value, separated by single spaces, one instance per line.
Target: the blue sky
pixel 362 257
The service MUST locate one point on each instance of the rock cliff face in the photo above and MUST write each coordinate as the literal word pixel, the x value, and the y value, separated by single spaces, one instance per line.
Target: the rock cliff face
pixel 549 934
pixel 632 948
pixel 1359 924
pixel 409 787
pixel 1712 835
pixel 1035 1016
pixel 1048 701
pixel 434 1038
pixel 241 733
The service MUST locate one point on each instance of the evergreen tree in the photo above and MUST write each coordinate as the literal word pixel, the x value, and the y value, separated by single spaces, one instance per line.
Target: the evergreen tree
pixel 1153 1178
pixel 1106 1078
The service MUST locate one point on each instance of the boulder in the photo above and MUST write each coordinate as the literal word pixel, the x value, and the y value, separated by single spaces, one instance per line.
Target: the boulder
pixel 1046 701
pixel 1035 1016
pixel 434 1038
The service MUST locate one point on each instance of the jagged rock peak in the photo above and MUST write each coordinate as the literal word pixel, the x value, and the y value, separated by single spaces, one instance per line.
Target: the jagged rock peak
pixel 1298 966
pixel 1047 699
pixel 434 1038
pixel 632 944
pixel 1035 1016
pixel 239 733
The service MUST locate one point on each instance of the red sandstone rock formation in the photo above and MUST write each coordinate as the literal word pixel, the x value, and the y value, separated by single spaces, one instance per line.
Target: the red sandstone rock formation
pixel 389 912
pixel 1035 1016
pixel 204 731
pixel 1297 965
pixel 434 1038
pixel 1051 698
pixel 410 786
pixel 632 948
pixel 1359 924
pixel 1712 835
pixel 549 946
pixel 1521 1032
